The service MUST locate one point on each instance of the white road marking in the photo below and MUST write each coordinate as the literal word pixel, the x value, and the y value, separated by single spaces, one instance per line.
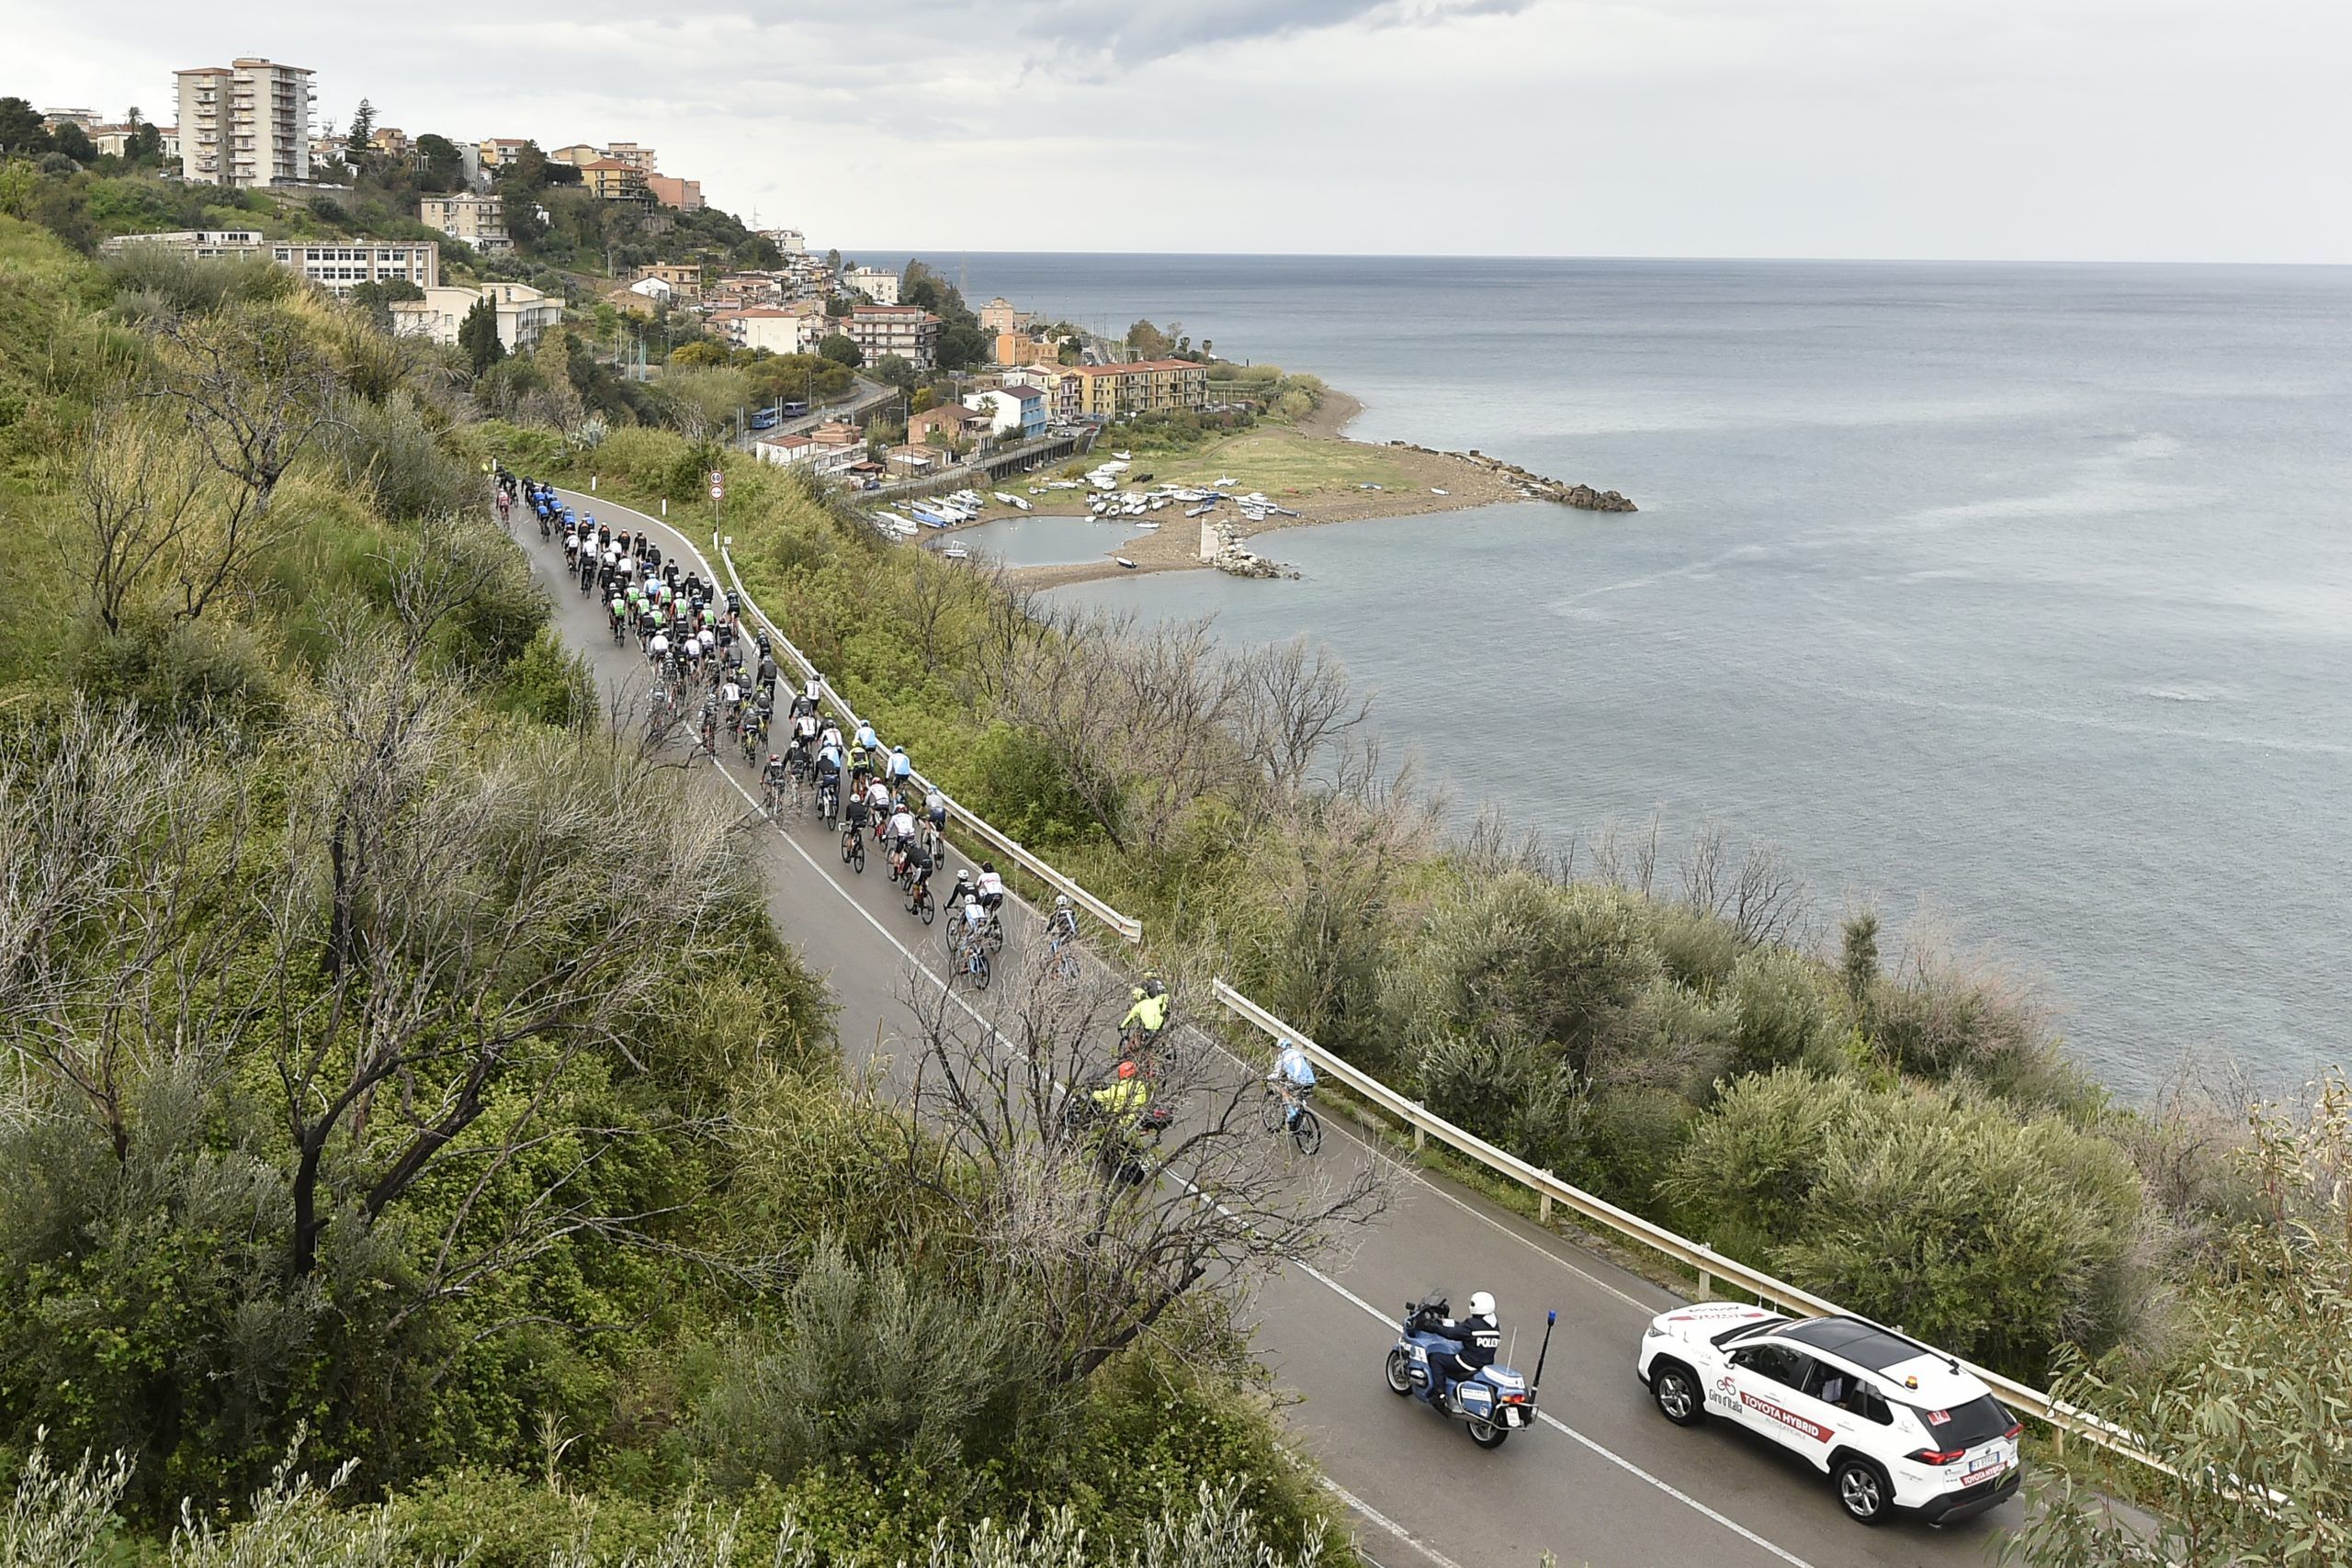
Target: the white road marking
pixel 1326 1280
pixel 1391 1526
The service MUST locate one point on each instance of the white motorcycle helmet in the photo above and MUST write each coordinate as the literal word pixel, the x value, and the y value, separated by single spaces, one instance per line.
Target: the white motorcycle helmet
pixel 1482 1303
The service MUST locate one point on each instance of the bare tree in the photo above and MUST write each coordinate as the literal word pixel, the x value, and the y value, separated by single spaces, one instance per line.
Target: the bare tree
pixel 115 846
pixel 1293 707
pixel 1007 1140
pixel 255 391
pixel 142 504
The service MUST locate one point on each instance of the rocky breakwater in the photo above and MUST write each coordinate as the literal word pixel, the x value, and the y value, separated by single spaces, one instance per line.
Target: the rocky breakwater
pixel 1221 548
pixel 1533 486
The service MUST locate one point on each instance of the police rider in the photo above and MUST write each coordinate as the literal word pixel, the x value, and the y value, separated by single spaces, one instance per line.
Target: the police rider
pixel 1478 1339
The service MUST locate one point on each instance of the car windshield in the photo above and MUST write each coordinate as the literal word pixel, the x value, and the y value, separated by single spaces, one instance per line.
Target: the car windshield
pixel 1965 1426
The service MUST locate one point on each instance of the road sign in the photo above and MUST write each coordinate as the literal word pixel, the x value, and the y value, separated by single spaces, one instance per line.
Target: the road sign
pixel 717 483
pixel 718 493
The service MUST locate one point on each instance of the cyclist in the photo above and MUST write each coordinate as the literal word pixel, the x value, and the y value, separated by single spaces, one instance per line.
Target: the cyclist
pixel 934 811
pixel 1061 926
pixel 899 769
pixel 852 821
pixel 804 735
pixel 901 832
pixel 1293 1078
pixel 992 888
pixel 962 897
pixel 1148 1016
pixel 656 646
pixel 867 741
pixel 772 779
pixel 1121 1104
pixel 919 869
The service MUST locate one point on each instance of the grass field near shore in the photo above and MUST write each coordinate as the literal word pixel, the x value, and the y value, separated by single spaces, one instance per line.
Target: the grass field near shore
pixel 1274 458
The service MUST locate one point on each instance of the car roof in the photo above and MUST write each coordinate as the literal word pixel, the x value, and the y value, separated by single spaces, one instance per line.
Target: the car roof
pixel 1913 1369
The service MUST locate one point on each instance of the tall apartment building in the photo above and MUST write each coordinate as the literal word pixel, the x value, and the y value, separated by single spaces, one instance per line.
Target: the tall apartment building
pixel 478 220
pixel 247 124
pixel 669 190
pixel 609 179
pixel 908 331
pixel 629 152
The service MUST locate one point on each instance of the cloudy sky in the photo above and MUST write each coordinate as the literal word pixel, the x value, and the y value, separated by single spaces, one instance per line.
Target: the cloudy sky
pixel 2149 129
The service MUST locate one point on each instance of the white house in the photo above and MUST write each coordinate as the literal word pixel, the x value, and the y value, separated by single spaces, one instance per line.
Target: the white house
pixel 524 313
pixel 1015 411
pixel 823 459
pixel 656 288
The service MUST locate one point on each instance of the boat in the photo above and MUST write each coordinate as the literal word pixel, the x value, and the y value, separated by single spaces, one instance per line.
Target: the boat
pixel 1226 482
pixel 1146 527
pixel 1013 501
pixel 1125 562
pixel 1123 457
pixel 1434 491
pixel 956 552
pixel 1202 510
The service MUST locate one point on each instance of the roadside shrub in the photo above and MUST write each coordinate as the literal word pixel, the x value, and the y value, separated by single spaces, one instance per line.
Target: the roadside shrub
pixel 1939 1211
pixel 1512 957
pixel 179 671
pixel 1518 1094
pixel 879 1358
pixel 1783 1011
pixel 550 685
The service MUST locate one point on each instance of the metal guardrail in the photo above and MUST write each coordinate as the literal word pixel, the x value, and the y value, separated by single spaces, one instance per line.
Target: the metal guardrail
pixel 1126 926
pixel 1708 1264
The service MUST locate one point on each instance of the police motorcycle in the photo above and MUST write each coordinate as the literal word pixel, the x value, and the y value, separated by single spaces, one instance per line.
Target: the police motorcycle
pixel 1493 1402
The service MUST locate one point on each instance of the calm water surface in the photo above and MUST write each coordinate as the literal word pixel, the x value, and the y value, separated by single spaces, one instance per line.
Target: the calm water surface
pixel 2016 600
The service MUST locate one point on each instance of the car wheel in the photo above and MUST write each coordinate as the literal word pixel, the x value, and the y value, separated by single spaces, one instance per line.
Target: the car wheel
pixel 1863 1490
pixel 1486 1434
pixel 1676 1389
pixel 1400 1372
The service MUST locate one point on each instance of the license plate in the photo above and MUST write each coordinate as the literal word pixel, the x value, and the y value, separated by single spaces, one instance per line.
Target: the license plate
pixel 1986 1472
pixel 1510 1417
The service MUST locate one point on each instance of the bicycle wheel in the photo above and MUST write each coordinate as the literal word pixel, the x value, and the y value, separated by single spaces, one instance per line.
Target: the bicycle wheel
pixel 857 856
pixel 979 971
pixel 1306 1132
pixel 924 905
pixel 1271 1112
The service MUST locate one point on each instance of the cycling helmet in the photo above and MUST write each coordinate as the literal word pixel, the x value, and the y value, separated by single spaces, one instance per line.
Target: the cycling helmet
pixel 1127 1070
pixel 1482 1303
pixel 1153 987
pixel 774 758
pixel 988 866
pixel 897 751
pixel 1061 900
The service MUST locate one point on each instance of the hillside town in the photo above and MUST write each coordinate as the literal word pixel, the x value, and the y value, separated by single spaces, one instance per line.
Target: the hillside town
pixel 584 262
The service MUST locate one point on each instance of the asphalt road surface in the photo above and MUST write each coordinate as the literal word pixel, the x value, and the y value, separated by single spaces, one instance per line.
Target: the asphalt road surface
pixel 1604 1480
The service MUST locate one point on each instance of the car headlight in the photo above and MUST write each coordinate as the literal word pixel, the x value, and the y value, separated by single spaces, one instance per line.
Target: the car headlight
pixel 1653 1332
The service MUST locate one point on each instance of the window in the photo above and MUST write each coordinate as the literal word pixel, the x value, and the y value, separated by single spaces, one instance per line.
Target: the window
pixel 1964 1426
pixel 1778 1362
pixel 1835 1386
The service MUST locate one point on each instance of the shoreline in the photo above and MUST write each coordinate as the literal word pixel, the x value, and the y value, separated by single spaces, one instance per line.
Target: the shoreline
pixel 1438 482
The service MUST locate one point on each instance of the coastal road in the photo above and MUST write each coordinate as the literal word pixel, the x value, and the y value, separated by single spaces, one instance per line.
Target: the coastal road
pixel 1605 1480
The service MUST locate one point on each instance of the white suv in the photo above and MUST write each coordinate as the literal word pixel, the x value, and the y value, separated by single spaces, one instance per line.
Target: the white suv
pixel 1896 1424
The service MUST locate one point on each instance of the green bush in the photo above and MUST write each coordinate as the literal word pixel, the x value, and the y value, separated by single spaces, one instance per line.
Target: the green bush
pixel 1939 1211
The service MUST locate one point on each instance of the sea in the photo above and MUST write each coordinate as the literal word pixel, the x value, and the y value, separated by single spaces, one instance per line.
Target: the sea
pixel 2013 602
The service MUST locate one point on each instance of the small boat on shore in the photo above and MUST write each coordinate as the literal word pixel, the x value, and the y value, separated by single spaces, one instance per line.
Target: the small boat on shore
pixel 1016 502
pixel 1146 528
pixel 956 552
pixel 1125 562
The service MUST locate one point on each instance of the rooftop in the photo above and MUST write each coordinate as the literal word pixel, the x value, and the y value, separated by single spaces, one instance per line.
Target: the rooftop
pixel 1138 365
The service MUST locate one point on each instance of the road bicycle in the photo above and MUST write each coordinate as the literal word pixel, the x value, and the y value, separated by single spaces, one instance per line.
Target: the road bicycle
pixel 1061 953
pixel 919 903
pixel 854 849
pixel 973 964
pixel 1306 1127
